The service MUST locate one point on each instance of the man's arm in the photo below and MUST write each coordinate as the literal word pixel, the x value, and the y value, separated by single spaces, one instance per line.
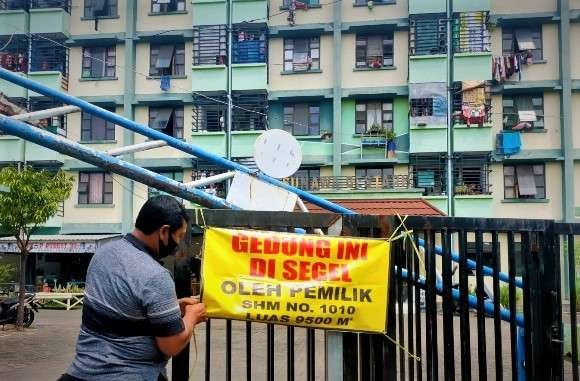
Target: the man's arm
pixel 172 345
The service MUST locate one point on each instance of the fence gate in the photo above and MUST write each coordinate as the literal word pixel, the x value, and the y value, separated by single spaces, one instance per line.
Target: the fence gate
pixel 464 265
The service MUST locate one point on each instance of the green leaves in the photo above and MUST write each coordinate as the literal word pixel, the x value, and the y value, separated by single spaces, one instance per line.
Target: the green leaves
pixel 32 198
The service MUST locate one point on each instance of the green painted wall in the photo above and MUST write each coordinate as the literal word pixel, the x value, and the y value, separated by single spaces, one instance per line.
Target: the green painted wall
pixel 243 143
pixel 253 76
pixel 434 139
pixel 471 5
pixel 465 206
pixel 51 20
pixel 426 6
pixel 10 20
pixel 316 152
pixel 348 122
pixel 10 148
pixel 12 90
pixel 472 66
pixel 52 79
pixel 467 66
pixel 401 117
pixel 245 10
pixel 209 78
pixel 209 12
pixel 38 153
pixel 212 141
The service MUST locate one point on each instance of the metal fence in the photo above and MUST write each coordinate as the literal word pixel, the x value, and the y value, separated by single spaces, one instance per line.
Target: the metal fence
pixel 490 330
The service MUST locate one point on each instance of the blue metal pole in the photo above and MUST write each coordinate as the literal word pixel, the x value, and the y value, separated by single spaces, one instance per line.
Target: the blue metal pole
pixel 109 163
pixel 504 277
pixel 521 355
pixel 171 141
pixel 472 300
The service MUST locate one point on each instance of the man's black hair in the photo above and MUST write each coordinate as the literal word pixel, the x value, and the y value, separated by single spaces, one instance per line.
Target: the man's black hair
pixel 159 211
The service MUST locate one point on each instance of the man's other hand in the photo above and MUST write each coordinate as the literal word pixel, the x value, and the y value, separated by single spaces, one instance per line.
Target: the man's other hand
pixel 187 301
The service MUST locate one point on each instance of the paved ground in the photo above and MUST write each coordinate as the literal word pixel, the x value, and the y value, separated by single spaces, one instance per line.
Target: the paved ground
pixel 44 351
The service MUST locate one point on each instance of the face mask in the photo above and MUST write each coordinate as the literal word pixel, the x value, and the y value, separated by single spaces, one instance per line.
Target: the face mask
pixel 169 249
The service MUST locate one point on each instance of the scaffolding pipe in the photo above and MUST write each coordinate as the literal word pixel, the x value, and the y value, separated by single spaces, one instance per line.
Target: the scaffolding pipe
pixel 136 148
pixel 44 114
pixel 171 141
pixel 211 180
pixel 109 163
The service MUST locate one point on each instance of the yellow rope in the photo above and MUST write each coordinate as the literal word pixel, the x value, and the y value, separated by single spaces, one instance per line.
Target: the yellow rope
pixel 411 355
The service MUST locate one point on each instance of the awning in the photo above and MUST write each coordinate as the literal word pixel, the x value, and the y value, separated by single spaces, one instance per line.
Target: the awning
pixel 59 243
pixel 404 207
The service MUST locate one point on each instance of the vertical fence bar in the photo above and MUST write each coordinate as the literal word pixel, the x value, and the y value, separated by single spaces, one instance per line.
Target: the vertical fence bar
pixel 248 351
pixel 496 307
pixel 310 352
pixel 207 350
pixel 418 311
pixel 401 339
pixel 481 347
pixel 270 352
pixel 411 309
pixel 573 306
pixel 228 350
pixel 464 308
pixel 428 307
pixel 448 337
pixel 290 353
pixel 512 303
pixel 529 318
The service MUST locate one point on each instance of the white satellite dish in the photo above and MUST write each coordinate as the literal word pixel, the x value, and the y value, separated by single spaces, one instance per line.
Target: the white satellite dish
pixel 277 153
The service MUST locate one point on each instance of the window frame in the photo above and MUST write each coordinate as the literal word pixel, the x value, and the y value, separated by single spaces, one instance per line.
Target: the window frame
pixel 90 119
pixel 313 44
pixel 175 122
pixel 176 63
pixel 204 40
pixel 112 7
pixel 514 186
pixel 173 175
pixel 108 59
pixel 175 3
pixel 307 178
pixel 510 113
pixel 312 125
pixel 107 188
pixel 421 107
pixel 362 47
pixel 359 120
pixel 508 35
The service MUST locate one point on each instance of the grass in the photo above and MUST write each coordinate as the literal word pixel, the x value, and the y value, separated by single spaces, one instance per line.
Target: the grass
pixel 504 296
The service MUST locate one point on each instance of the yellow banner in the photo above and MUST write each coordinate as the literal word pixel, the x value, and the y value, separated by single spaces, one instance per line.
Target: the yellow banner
pixel 302 280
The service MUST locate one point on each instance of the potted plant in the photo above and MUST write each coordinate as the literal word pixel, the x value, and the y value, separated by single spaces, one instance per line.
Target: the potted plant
pixel 461 189
pixel 391 145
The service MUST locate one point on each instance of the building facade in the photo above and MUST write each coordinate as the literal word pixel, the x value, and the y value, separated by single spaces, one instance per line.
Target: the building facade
pixel 361 84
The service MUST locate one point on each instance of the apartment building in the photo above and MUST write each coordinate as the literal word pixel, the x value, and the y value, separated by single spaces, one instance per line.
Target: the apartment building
pixel 360 83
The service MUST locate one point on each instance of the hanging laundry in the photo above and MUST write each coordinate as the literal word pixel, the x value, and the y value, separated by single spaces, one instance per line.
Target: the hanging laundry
pixel 473 108
pixel 165 82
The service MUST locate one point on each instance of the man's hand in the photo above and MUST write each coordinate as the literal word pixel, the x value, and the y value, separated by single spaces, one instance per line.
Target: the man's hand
pixel 195 313
pixel 192 300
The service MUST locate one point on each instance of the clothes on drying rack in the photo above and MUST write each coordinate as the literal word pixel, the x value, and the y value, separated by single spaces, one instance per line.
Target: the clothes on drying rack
pixel 503 68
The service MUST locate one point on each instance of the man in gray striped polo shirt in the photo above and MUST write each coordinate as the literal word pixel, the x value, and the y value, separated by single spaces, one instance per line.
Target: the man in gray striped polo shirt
pixel 132 320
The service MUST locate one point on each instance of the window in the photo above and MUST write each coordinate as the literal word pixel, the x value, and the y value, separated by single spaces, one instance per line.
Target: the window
pixel 421 107
pixel 427 34
pixel 523 112
pixel 524 181
pixel 302 119
pixel 100 8
pixel 14 55
pixel 95 188
pixel 94 128
pixel 471 33
pixel 210 45
pixel 55 124
pixel 374 177
pixel 302 54
pixel 164 6
pixel 168 120
pixel 374 51
pixel 250 115
pixel 48 56
pixel 9 5
pixel 99 62
pixel 249 45
pixel 208 115
pixel 40 4
pixel 524 39
pixel 306 179
pixel 167 60
pixel 310 3
pixel 374 116
pixel 177 176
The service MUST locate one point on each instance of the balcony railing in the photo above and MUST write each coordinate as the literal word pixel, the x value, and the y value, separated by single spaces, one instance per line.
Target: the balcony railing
pixel 12 5
pixel 337 183
pixel 43 4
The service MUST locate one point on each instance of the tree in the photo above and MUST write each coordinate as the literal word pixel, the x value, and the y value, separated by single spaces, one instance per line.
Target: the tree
pixel 31 197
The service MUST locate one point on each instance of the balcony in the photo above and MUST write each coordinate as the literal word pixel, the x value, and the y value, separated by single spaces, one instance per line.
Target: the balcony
pixel 209 12
pixel 13 17
pixel 12 89
pixel 467 139
pixel 12 149
pixel 50 16
pixel 246 10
